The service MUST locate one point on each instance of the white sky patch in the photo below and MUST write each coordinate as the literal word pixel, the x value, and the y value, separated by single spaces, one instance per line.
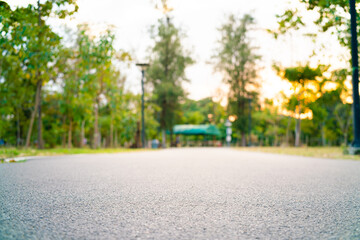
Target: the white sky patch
pixel 200 19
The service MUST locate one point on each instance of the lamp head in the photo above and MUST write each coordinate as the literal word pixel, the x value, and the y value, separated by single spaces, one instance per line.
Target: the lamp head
pixel 143 66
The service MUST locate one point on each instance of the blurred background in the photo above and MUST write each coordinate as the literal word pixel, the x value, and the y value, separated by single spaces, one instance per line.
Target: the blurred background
pixel 142 73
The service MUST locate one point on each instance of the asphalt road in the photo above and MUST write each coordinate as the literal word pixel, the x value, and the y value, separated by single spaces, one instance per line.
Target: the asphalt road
pixel 180 194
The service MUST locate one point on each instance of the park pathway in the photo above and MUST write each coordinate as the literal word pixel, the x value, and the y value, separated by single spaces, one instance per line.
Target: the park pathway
pixel 194 193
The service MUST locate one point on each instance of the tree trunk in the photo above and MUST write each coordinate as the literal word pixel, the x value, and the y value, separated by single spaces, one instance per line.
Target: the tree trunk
pixel 40 137
pixel 163 138
pixel 243 139
pixel 82 137
pixel 111 142
pixel 96 140
pixel 33 114
pixel 137 135
pixel 346 133
pixel 249 139
pixel 287 132
pixel 298 128
pixel 63 140
pixel 346 130
pixel 323 140
pixel 17 127
pixel 345 138
pixel 38 88
pixel 276 140
pixel 116 139
pixel 171 139
pixel 69 144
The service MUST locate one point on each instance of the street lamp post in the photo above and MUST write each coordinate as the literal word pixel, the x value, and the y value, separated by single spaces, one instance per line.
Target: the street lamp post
pixel 355 79
pixel 143 67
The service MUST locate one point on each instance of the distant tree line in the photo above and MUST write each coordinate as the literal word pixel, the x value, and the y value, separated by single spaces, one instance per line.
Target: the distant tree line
pixel 71 93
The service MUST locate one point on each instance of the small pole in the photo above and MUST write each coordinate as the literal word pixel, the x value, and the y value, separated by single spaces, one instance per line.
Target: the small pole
pixel 355 76
pixel 142 110
pixel 143 67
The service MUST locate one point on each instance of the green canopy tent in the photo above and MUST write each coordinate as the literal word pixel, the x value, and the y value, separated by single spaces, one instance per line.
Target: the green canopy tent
pixel 203 129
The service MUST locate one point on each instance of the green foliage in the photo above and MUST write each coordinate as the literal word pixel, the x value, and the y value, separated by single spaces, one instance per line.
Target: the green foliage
pixel 343 115
pixel 166 73
pixel 204 111
pixel 269 125
pixel 85 102
pixel 301 78
pixel 289 20
pixel 28 46
pixel 32 52
pixel 302 74
pixel 333 17
pixel 195 118
pixel 237 60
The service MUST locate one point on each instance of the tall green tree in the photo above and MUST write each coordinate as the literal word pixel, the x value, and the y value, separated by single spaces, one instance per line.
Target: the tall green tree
pixel 166 73
pixel 31 41
pixel 75 100
pixel 96 57
pixel 301 78
pixel 332 16
pixel 84 90
pixel 237 59
pixel 45 50
pixel 15 70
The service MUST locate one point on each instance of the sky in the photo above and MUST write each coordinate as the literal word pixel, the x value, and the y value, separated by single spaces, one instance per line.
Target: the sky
pixel 200 20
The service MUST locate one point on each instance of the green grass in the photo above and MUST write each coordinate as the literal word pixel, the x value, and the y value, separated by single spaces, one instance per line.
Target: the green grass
pixel 15 152
pixel 319 152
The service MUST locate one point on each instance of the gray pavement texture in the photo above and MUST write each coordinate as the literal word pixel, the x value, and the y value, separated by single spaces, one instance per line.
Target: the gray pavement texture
pixel 200 193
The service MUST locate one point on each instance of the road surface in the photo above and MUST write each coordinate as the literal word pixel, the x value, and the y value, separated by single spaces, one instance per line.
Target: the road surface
pixel 199 193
